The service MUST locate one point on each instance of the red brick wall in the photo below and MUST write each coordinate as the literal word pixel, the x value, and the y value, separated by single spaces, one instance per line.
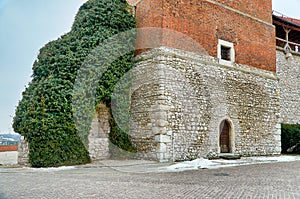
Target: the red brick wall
pixel 8 148
pixel 260 9
pixel 206 22
pixel 149 14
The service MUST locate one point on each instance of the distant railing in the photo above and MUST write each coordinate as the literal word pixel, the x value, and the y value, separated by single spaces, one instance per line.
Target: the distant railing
pixel 288 46
pixel 284 43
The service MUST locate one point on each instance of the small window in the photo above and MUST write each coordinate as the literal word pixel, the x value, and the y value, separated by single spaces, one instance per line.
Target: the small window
pixel 226 54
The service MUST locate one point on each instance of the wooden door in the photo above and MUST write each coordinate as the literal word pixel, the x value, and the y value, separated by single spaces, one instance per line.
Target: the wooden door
pixel 224 137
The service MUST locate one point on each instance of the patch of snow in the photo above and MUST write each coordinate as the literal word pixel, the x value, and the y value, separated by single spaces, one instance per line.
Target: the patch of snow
pixel 51 169
pixel 192 165
pixel 220 163
pixel 277 159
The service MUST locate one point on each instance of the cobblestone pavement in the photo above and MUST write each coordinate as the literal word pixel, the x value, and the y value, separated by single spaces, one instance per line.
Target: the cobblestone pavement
pixel 274 180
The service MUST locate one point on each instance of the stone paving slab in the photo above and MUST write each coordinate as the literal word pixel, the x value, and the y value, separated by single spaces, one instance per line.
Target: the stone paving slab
pixel 145 166
pixel 133 166
pixel 103 180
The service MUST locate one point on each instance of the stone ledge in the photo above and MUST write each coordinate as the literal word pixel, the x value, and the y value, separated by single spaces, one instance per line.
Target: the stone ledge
pixel 229 156
pixel 164 53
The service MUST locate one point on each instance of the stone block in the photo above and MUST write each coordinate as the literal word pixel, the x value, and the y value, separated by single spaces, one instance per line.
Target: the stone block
pixel 162 148
pixel 162 138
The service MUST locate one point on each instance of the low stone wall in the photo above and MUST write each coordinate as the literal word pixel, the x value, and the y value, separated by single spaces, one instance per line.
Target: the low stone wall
pixel 23 152
pixel 98 137
pixel 179 100
pixel 288 71
pixel 9 158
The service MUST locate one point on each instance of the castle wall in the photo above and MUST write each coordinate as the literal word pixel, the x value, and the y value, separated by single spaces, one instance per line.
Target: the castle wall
pixel 23 152
pixel 99 134
pixel 179 100
pixel 149 14
pixel 247 24
pixel 256 8
pixel 288 70
pixel 98 138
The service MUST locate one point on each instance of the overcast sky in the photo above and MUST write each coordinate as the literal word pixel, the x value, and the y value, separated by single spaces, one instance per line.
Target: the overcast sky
pixel 287 7
pixel 26 26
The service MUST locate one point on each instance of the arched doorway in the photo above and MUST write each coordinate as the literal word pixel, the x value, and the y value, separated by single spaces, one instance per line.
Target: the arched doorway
pixel 224 140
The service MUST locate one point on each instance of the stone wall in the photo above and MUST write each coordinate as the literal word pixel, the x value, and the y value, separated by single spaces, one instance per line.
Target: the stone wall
pixel 179 100
pixel 288 70
pixel 98 137
pixel 9 158
pixel 23 152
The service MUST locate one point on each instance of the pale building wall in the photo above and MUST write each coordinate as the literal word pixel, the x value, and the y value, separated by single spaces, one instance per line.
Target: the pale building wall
pixel 179 100
pixel 288 71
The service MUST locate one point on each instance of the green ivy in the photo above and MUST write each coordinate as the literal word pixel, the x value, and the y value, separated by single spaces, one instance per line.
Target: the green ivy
pixel 45 113
pixel 290 136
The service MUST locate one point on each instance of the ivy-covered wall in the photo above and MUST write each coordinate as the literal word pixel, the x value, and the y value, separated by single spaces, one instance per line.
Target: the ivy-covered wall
pixel 290 138
pixel 44 116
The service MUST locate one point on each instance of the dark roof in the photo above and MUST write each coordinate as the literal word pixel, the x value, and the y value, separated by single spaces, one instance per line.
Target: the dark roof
pixel 280 22
pixel 290 22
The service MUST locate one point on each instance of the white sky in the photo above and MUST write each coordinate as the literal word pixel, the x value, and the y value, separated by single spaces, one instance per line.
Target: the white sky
pixel 290 8
pixel 26 26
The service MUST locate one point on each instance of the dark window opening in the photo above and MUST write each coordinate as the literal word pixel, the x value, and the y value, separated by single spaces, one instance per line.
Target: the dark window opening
pixel 225 53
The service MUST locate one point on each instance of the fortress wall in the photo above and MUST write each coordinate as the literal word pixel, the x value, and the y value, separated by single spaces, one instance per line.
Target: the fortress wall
pixel 99 134
pixel 23 152
pixel 288 70
pixel 180 99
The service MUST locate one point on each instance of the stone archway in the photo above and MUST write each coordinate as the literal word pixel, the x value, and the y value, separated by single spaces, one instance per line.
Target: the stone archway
pixel 225 137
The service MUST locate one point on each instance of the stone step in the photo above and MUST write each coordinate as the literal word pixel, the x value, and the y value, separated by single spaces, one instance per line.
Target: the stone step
pixel 229 156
